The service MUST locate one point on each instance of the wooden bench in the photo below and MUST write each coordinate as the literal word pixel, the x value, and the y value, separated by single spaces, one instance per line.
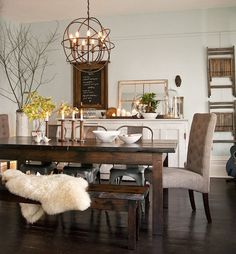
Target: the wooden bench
pixel 106 197
pixel 120 198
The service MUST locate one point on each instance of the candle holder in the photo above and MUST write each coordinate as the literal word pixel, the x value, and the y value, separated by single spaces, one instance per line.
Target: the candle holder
pixel 46 128
pixel 73 138
pixel 81 136
pixel 62 138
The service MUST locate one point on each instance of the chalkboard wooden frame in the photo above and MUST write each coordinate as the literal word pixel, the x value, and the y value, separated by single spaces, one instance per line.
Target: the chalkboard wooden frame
pixel 90 89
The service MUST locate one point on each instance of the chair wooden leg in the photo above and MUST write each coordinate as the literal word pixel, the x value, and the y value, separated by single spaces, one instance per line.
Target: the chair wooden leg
pixel 165 198
pixel 192 201
pixel 206 207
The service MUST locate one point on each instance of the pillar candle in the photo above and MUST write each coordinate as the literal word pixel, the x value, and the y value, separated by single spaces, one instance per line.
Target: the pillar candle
pixel 47 117
pixel 73 115
pixel 62 115
pixel 81 114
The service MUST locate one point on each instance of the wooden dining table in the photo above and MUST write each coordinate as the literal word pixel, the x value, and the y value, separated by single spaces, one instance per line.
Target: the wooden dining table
pixel 145 152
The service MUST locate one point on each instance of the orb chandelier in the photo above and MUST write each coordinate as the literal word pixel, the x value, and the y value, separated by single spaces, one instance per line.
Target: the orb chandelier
pixel 86 44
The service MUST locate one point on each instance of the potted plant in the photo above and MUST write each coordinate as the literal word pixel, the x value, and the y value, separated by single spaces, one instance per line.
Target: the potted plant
pixel 38 109
pixel 24 59
pixel 149 105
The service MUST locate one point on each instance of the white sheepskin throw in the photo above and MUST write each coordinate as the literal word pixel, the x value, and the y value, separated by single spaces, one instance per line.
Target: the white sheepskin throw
pixel 56 193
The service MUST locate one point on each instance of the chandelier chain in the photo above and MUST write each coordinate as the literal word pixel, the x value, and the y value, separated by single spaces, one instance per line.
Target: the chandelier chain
pixel 88 9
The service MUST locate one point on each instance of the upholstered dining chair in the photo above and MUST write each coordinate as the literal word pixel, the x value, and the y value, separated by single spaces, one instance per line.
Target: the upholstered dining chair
pixel 43 167
pixel 90 172
pixel 136 172
pixel 4 133
pixel 195 175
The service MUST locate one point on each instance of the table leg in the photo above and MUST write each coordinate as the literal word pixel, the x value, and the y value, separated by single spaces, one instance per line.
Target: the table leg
pixel 157 195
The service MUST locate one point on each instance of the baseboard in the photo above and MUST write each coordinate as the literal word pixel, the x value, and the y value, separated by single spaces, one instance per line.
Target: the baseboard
pixel 218 164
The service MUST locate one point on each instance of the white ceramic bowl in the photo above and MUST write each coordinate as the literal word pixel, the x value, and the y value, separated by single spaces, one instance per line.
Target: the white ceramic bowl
pixel 106 136
pixel 130 138
pixel 149 115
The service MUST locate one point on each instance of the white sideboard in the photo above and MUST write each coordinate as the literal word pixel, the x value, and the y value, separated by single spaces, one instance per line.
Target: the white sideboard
pixel 162 128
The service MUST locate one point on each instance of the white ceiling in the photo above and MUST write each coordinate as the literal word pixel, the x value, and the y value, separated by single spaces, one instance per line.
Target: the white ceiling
pixel 45 10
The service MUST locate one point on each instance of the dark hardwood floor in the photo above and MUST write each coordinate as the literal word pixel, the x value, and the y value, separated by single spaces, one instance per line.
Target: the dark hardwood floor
pixel 106 232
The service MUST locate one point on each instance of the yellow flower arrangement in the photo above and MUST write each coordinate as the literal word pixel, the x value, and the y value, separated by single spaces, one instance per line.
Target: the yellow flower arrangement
pixel 39 108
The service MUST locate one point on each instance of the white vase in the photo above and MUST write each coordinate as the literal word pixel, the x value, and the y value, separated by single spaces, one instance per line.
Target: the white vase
pixel 38 128
pixel 22 124
pixel 149 115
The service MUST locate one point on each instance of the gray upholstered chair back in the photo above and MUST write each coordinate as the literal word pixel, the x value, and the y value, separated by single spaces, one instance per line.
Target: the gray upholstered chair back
pixel 200 143
pixel 4 126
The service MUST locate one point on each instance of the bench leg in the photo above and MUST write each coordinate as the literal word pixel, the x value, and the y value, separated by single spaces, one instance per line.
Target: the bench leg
pixel 132 224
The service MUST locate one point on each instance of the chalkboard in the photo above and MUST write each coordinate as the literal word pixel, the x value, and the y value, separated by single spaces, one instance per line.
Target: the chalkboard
pixel 90 88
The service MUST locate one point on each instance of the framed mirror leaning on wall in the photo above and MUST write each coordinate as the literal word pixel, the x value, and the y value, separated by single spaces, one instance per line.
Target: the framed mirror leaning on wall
pixel 131 90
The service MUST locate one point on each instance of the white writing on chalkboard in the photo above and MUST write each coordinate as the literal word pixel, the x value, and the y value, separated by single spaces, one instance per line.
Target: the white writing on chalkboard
pixel 91 88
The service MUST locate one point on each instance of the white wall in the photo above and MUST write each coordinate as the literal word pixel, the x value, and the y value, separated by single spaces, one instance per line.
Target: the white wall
pixel 152 46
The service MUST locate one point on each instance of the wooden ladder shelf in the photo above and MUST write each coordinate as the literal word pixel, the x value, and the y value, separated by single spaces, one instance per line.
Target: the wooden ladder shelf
pixel 221 64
